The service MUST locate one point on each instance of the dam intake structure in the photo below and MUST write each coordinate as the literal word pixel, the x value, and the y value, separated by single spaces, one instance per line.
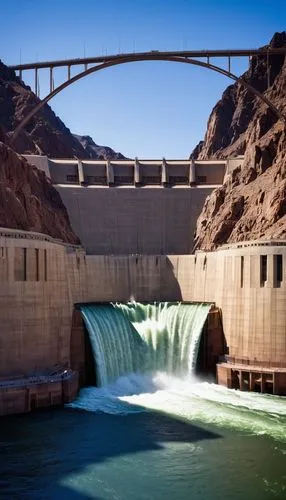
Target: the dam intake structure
pixel 144 338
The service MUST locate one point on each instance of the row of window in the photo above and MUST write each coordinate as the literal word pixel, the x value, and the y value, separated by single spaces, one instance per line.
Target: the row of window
pixel 277 270
pixel 31 264
pixel 73 178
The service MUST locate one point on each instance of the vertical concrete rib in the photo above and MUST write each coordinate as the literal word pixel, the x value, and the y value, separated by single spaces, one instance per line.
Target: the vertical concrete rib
pixel 192 173
pixel 80 172
pixel 137 173
pixel 109 173
pixel 164 175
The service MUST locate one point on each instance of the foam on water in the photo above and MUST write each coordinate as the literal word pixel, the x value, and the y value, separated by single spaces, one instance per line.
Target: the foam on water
pixel 190 400
pixel 145 357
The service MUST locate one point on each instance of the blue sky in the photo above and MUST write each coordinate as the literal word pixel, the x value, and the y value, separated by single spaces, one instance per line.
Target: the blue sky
pixel 147 109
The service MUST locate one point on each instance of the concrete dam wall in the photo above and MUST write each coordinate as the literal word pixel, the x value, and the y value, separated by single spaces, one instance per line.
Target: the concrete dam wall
pixel 136 222
pixel 42 280
pixel 135 206
pixel 131 221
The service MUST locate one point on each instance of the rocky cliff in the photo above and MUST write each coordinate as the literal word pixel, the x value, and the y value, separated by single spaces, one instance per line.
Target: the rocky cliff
pixel 45 134
pixel 96 152
pixel 28 200
pixel 251 204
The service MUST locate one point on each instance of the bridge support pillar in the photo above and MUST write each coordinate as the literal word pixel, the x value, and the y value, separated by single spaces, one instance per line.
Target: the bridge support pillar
pixel 51 79
pixel 137 173
pixel 36 83
pixel 109 173
pixel 80 172
pixel 164 175
pixel 192 174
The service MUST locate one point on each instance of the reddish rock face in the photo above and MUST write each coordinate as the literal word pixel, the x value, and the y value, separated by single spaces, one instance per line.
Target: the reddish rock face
pixel 251 204
pixel 28 201
pixel 45 134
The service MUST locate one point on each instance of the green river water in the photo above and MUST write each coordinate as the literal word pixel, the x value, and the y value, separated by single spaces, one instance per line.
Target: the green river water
pixel 152 430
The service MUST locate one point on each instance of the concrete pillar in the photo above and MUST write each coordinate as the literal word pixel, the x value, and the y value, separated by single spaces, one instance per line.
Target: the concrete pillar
pixel 109 173
pixel 80 172
pixel 247 272
pixel 164 175
pixel 269 283
pixel 240 381
pixel 192 173
pixel 51 79
pixel 36 82
pixel 251 381
pixel 137 173
pixel 275 384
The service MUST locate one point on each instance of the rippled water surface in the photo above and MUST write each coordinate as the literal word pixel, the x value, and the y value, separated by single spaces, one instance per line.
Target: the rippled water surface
pixel 149 437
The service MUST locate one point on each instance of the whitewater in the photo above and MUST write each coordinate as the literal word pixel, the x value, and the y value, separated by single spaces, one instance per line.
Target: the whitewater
pixel 145 357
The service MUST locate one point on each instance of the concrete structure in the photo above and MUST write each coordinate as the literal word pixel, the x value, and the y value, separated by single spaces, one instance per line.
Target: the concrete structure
pixel 42 279
pixel 21 395
pixel 135 206
pixel 185 57
pixel 137 172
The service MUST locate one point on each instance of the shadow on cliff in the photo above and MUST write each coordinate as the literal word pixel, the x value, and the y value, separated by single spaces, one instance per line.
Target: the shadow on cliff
pixel 55 454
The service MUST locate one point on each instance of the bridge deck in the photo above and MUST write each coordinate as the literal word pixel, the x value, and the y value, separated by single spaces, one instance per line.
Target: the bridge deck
pixel 154 53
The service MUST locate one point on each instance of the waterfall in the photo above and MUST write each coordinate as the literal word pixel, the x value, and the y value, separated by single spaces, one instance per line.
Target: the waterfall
pixel 141 338
pixel 144 354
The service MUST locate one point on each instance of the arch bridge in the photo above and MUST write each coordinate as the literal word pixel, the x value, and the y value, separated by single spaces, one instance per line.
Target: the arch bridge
pixel 202 58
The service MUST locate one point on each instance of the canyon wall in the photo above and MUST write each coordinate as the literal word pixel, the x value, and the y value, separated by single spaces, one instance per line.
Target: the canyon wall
pixel 251 204
pixel 28 199
pixel 45 133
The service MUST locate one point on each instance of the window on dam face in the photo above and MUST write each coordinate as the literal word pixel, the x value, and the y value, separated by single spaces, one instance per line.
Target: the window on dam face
pixel 45 265
pixel 73 178
pixel 263 269
pixel 241 271
pixel 37 264
pixel 20 265
pixel 278 270
pixel 202 179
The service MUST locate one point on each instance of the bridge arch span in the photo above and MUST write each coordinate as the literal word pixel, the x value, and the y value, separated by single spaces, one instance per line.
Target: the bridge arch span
pixel 138 58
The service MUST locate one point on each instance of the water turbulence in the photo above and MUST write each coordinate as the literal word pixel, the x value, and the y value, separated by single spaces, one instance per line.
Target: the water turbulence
pixel 145 357
pixel 138 338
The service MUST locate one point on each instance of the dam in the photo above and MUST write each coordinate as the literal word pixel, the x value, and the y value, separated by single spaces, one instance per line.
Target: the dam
pixel 43 280
pixel 135 219
pixel 142 367
pixel 120 198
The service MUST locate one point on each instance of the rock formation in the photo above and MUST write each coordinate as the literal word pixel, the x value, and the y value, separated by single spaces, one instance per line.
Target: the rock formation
pixel 45 133
pixel 28 200
pixel 96 152
pixel 251 203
